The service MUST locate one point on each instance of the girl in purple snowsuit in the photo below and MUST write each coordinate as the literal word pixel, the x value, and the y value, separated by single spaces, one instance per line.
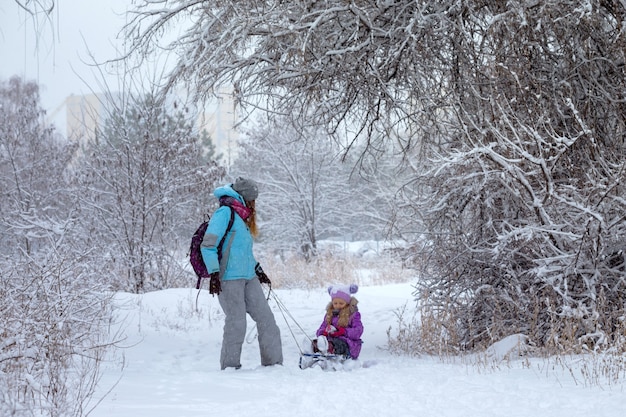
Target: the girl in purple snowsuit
pixel 341 330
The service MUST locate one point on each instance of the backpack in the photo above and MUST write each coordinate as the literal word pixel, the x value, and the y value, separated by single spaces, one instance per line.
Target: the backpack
pixel 195 254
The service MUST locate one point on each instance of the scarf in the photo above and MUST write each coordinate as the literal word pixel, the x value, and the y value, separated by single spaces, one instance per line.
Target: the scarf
pixel 233 203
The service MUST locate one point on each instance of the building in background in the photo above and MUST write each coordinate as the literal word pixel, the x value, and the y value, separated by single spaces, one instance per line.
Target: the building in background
pixel 78 117
pixel 219 118
pixel 84 114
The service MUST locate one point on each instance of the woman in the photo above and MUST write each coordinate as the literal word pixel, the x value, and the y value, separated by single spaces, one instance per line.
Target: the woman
pixel 236 277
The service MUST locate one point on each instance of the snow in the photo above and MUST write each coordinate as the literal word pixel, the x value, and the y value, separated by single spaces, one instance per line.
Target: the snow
pixel 171 368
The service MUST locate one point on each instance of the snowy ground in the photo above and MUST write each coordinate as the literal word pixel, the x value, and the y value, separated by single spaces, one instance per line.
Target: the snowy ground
pixel 171 369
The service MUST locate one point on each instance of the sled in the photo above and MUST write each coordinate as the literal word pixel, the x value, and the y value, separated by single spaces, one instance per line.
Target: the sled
pixel 327 361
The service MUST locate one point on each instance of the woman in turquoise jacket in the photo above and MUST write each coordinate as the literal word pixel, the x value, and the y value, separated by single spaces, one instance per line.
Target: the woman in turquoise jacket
pixel 236 276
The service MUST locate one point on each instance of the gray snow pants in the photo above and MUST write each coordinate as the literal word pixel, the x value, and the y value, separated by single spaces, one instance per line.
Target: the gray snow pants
pixel 237 298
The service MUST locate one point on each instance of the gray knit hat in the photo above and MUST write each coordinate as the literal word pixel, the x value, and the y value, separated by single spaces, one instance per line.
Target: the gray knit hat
pixel 246 188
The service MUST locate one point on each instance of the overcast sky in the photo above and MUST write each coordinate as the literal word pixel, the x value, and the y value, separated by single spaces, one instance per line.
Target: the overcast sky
pixel 55 52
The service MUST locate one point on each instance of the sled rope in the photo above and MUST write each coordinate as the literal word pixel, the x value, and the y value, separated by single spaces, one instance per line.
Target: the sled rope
pixel 285 312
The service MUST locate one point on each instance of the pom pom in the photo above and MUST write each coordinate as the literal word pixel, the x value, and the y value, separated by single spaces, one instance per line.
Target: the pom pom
pixel 342 291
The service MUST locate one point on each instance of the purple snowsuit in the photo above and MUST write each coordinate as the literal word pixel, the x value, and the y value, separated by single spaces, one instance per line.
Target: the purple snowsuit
pixel 354 330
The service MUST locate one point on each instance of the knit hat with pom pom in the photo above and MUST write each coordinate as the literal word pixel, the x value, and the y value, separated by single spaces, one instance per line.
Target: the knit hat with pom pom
pixel 342 291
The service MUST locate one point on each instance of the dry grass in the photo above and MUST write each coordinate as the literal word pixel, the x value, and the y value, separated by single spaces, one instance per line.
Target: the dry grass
pixel 591 360
pixel 344 268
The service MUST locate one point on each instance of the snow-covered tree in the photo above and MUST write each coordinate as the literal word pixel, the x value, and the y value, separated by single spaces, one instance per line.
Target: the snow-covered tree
pixel 55 315
pixel 54 335
pixel 526 210
pixel 371 67
pixel 308 190
pixel 145 184
pixel 33 161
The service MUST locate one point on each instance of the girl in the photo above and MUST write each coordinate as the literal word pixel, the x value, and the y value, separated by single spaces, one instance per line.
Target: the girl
pixel 341 330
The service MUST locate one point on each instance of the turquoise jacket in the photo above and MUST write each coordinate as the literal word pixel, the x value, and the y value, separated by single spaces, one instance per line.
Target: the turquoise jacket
pixel 238 261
